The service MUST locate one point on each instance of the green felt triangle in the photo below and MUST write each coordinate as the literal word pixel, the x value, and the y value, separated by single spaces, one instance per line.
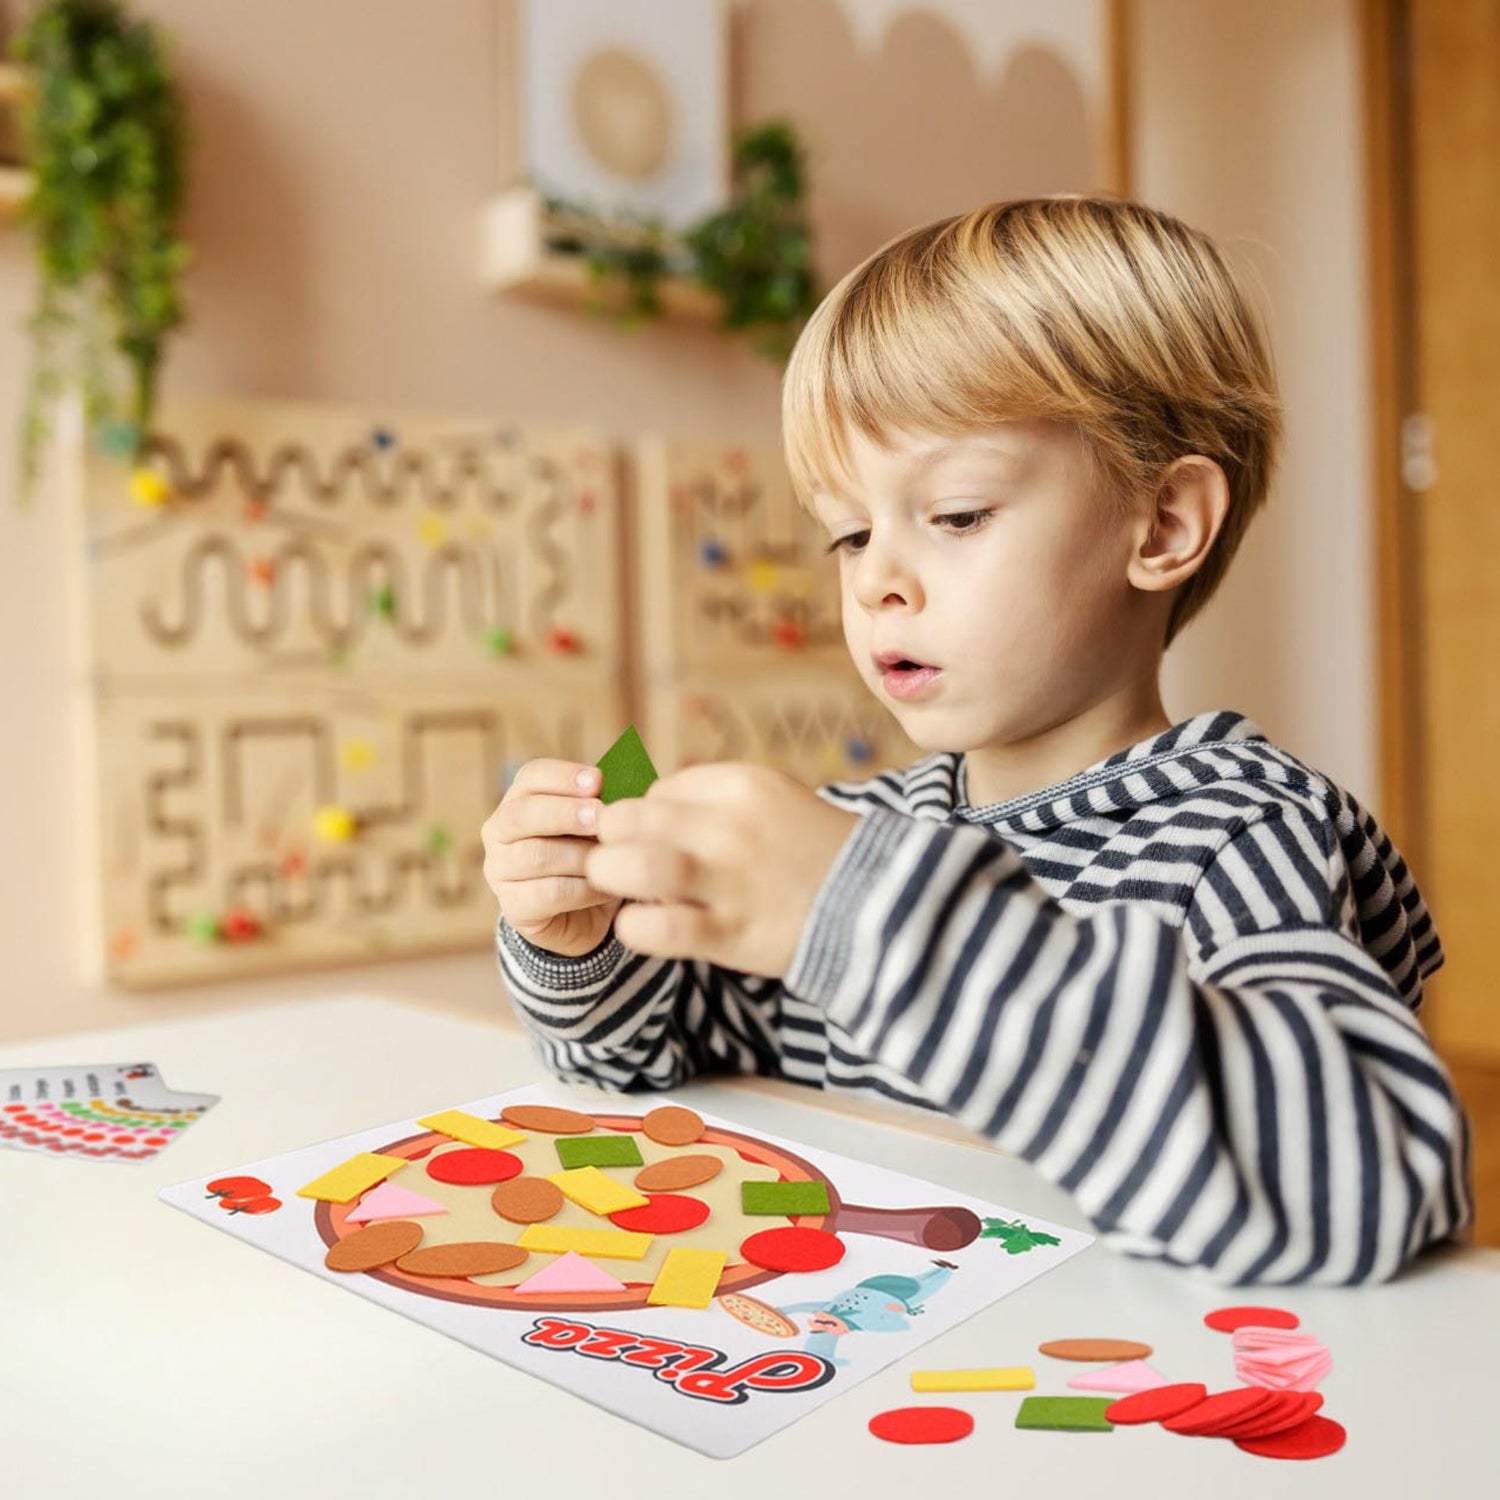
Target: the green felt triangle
pixel 627 768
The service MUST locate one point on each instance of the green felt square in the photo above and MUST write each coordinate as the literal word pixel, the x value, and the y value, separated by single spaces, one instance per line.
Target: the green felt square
pixel 599 1151
pixel 627 768
pixel 1066 1413
pixel 785 1198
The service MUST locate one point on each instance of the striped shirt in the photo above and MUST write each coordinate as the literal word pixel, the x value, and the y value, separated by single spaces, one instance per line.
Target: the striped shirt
pixel 1182 984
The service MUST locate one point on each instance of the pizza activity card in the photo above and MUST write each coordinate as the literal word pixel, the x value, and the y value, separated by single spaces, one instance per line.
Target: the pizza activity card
pixel 95 1111
pixel 709 1282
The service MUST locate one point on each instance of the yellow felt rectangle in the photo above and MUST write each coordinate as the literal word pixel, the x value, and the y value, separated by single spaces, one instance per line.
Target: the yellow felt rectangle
pixel 349 1179
pixel 688 1278
pixel 473 1131
pixel 608 1244
pixel 592 1189
pixel 1010 1378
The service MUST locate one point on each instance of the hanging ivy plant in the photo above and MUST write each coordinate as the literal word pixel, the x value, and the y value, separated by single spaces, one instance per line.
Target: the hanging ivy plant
pixel 755 254
pixel 105 138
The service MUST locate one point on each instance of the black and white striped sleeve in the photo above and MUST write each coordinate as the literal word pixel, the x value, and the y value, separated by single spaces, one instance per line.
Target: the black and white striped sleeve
pixel 1248 1096
pixel 625 1021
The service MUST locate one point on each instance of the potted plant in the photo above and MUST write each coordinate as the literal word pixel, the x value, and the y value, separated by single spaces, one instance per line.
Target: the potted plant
pixel 754 255
pixel 105 138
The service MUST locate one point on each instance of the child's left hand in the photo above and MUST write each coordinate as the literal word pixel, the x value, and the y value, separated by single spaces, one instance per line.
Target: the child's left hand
pixel 733 853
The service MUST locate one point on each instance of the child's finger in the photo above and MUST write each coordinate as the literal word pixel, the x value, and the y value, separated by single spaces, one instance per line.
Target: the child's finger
pixel 566 777
pixel 534 901
pixel 543 815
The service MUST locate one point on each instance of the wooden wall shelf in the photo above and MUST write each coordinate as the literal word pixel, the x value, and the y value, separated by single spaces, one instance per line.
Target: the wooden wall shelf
pixel 514 258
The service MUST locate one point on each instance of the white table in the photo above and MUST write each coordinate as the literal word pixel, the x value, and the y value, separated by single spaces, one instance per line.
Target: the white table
pixel 142 1354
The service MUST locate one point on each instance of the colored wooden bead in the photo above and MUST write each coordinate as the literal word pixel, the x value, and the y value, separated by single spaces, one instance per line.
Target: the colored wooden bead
pixel 334 825
pixel 148 488
pixel 240 925
pixel 202 927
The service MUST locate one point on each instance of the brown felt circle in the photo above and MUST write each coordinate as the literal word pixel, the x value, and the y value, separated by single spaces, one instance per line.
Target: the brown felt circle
pixel 671 1125
pixel 467 1258
pixel 678 1172
pixel 527 1200
pixel 375 1245
pixel 1095 1349
pixel 545 1118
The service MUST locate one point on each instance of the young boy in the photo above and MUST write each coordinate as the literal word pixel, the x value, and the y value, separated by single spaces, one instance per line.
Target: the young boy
pixel 1169 965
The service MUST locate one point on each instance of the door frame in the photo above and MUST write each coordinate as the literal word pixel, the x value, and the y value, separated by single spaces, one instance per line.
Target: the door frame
pixel 1384 28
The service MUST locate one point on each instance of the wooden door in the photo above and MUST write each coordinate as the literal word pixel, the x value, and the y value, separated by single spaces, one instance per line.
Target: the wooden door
pixel 1441 563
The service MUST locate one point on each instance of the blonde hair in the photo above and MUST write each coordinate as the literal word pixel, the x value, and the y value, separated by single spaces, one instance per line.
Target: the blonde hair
pixel 1103 314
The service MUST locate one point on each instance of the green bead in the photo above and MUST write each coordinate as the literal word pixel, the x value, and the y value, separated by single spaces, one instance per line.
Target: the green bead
pixel 383 602
pixel 498 641
pixel 202 927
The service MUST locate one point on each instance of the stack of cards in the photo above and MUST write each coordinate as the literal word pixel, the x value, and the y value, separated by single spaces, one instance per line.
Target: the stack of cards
pixel 102 1112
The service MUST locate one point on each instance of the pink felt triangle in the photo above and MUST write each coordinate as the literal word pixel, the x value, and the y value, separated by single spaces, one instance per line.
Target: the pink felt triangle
pixel 571 1273
pixel 387 1201
pixel 1134 1375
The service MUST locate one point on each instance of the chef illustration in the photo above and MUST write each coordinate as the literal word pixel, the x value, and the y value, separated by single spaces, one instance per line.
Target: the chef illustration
pixel 878 1304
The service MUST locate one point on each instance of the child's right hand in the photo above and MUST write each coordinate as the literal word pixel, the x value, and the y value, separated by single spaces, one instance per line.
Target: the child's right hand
pixel 535 843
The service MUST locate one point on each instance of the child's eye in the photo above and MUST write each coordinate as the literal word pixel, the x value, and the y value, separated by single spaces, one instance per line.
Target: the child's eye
pixel 972 519
pixel 978 517
pixel 839 541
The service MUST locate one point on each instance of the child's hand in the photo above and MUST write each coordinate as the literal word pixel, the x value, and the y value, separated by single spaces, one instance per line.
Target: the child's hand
pixel 535 846
pixel 730 858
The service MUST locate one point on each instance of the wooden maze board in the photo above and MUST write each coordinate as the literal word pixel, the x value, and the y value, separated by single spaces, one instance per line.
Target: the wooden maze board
pixel 742 647
pixel 328 612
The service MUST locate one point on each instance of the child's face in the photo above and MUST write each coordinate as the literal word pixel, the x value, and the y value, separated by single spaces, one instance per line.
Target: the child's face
pixel 991 558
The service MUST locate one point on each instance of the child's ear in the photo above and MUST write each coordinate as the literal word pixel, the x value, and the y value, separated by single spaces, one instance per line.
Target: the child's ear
pixel 1177 530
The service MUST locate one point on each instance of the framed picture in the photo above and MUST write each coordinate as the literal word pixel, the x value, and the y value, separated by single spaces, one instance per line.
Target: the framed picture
pixel 624 104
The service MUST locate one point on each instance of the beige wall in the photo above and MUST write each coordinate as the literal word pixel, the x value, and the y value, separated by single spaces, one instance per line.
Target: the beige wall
pixel 343 149
pixel 1248 124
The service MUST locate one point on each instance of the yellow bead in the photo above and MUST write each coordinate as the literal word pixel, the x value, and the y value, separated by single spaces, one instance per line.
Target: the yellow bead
pixel 334 825
pixel 358 755
pixel 432 531
pixel 147 487
pixel 763 576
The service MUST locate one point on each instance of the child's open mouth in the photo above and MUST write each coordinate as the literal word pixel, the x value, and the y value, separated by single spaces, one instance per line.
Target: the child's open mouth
pixel 906 679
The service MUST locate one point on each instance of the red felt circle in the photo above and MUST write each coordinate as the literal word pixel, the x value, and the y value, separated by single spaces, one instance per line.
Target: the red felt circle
pixel 1221 1409
pixel 476 1165
pixel 922 1424
pixel 794 1249
pixel 666 1213
pixel 1227 1319
pixel 1156 1405
pixel 1292 1409
pixel 1315 1438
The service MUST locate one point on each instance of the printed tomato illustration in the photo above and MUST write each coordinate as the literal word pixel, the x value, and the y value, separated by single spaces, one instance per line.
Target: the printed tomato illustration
pixel 262 1204
pixel 238 1187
